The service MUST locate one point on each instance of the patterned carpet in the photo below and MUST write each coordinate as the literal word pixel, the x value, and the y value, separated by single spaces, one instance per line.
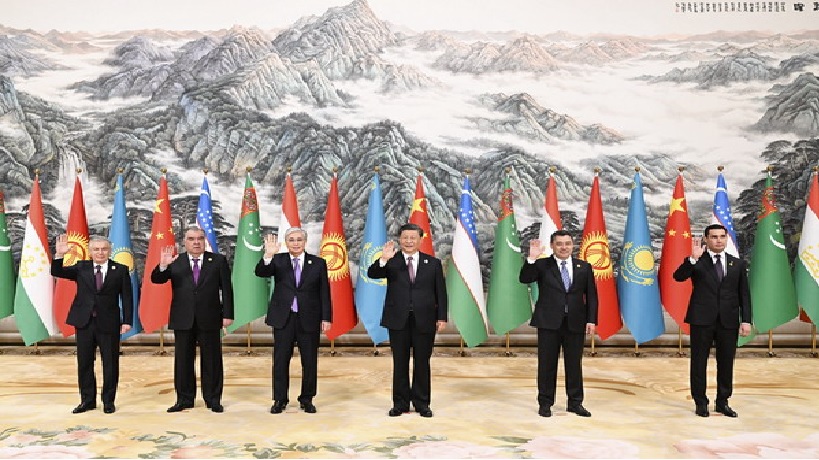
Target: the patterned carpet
pixel 484 407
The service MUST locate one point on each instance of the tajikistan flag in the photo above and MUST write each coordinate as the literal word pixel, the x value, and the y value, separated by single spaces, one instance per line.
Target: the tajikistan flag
pixel 807 264
pixel 33 310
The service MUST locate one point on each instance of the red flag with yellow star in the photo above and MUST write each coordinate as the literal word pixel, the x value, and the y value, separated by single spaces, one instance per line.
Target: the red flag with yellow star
pixel 77 231
pixel 419 216
pixel 155 299
pixel 334 252
pixel 594 249
pixel 675 295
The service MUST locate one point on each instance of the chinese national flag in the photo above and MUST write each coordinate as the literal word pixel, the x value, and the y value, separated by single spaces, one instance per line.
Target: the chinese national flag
pixel 419 216
pixel 594 249
pixel 77 231
pixel 675 295
pixel 334 252
pixel 155 299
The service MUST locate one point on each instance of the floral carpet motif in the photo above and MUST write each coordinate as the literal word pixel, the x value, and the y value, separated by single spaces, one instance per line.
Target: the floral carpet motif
pixel 484 407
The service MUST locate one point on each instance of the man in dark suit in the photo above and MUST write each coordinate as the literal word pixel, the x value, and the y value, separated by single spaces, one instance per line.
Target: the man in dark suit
pixel 566 309
pixel 415 308
pixel 719 311
pixel 202 305
pixel 95 313
pixel 299 310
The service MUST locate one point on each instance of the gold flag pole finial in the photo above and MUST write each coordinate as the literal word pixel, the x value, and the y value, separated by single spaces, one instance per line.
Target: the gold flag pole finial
pixel 335 169
pixel 37 172
pixel 164 171
pixel 769 168
pixel 420 169
pixel 376 168
pixel 289 169
pixel 120 170
pixel 637 168
pixel 507 169
pixel 206 170
pixel 720 168
pixel 552 169
pixel 815 168
pixel 79 170
pixel 680 168
pixel 248 169
pixel 597 170
pixel 468 171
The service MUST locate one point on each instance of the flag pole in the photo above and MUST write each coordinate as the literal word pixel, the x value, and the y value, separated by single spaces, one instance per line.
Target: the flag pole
pixel 771 353
pixel 813 341
pixel 462 353
pixel 161 341
pixel 375 349
pixel 593 352
pixel 636 349
pixel 249 351
pixel 508 353
pixel 332 347
pixel 680 353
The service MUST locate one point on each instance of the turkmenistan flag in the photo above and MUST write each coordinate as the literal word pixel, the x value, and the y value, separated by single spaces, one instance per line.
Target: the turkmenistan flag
pixel 6 266
pixel 250 294
pixel 464 283
pixel 773 296
pixel 508 304
pixel 33 301
pixel 807 263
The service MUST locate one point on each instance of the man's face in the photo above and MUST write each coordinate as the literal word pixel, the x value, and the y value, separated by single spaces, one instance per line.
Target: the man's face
pixel 195 242
pixel 716 240
pixel 409 240
pixel 562 246
pixel 100 251
pixel 295 243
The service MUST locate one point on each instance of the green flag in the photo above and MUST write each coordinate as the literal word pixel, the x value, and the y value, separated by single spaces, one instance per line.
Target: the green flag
pixel 6 266
pixel 249 291
pixel 773 296
pixel 508 304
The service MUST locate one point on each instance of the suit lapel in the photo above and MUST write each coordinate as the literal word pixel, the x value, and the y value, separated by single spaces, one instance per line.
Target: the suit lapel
pixel 205 265
pixel 555 270
pixel 108 274
pixel 708 264
pixel 306 269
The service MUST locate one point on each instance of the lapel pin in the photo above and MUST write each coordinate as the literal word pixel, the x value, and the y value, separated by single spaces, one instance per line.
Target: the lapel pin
pixel 426 261
pixel 210 260
pixel 309 262
pixel 113 267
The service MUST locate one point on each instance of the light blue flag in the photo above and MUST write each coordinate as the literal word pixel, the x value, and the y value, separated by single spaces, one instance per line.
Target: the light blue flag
pixel 204 217
pixel 722 215
pixel 122 251
pixel 637 287
pixel 370 293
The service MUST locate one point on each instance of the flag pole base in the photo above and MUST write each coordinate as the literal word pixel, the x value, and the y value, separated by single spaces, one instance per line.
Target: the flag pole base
pixel 161 351
pixel 593 352
pixel 636 350
pixel 332 348
pixel 375 350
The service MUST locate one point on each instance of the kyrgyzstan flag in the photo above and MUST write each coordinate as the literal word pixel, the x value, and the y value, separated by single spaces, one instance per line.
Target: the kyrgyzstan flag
pixel 77 232
pixel 155 300
pixel 420 216
pixel 334 252
pixel 594 249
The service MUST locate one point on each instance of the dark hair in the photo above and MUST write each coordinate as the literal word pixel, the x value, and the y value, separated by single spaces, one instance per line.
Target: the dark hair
pixel 713 227
pixel 559 233
pixel 410 227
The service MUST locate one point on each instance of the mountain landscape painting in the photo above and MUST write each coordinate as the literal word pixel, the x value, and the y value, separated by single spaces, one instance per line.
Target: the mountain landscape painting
pixel 468 87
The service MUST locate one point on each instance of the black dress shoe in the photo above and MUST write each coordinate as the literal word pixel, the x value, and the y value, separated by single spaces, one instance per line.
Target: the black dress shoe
pixel 579 410
pixel 425 412
pixel 726 410
pixel 544 412
pixel 308 407
pixel 278 407
pixel 702 411
pixel 109 408
pixel 395 412
pixel 218 408
pixel 179 407
pixel 84 407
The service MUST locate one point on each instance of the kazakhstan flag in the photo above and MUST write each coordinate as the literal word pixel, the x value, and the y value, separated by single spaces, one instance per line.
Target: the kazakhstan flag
pixel 637 287
pixel 370 293
pixel 122 251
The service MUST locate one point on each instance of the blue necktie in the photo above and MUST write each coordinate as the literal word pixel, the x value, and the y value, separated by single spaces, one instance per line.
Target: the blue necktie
pixel 564 273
